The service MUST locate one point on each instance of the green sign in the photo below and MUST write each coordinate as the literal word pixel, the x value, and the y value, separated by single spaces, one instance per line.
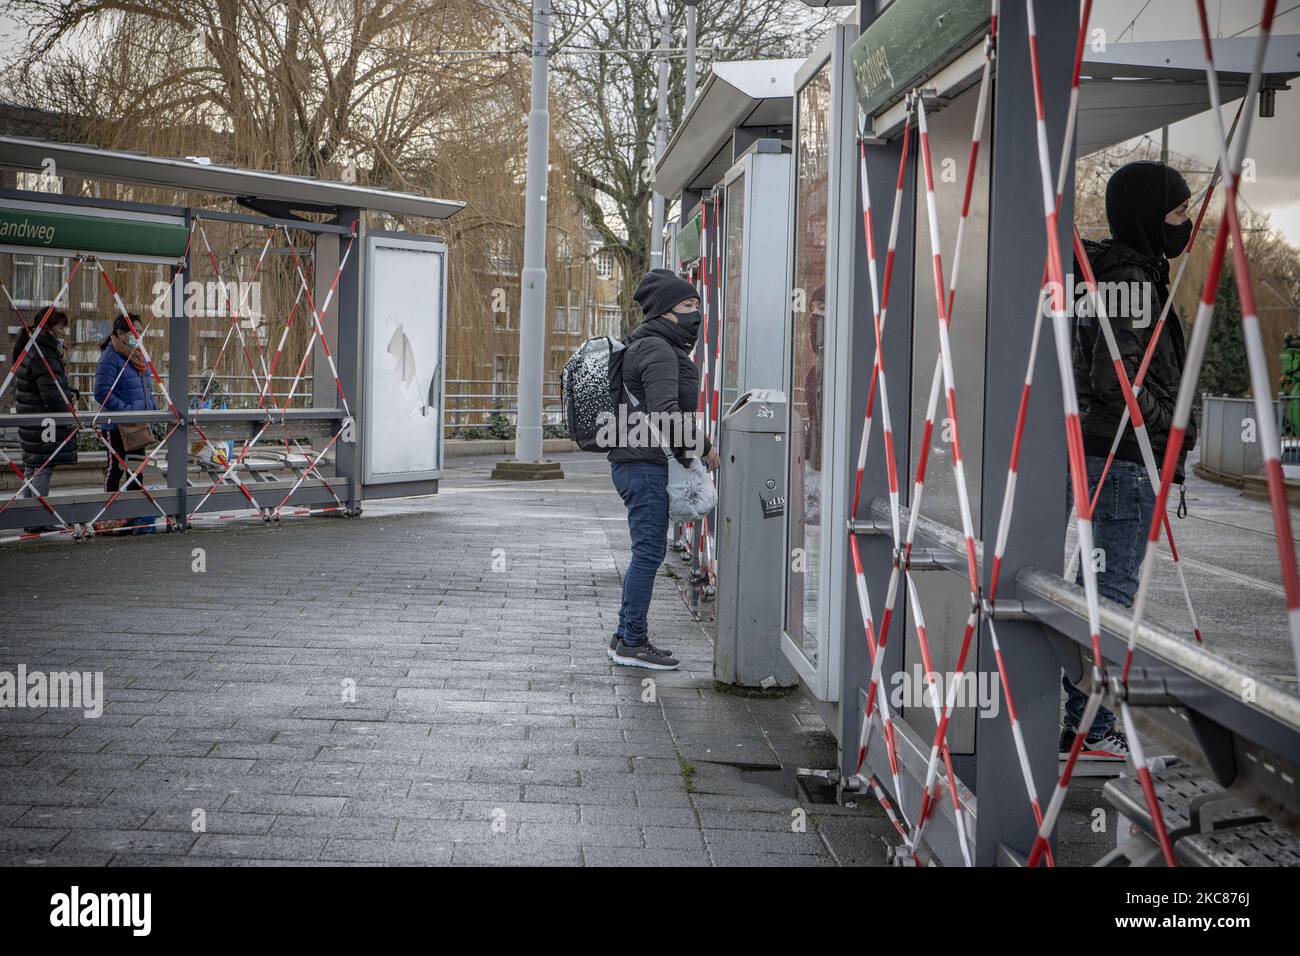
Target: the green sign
pixel 688 240
pixel 92 234
pixel 910 42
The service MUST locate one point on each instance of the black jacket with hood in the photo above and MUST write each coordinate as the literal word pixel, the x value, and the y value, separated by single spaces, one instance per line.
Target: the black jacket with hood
pixel 1138 198
pixel 36 392
pixel 659 376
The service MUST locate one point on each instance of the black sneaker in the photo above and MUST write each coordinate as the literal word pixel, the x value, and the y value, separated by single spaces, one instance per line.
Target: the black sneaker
pixel 1113 746
pixel 613 643
pixel 644 655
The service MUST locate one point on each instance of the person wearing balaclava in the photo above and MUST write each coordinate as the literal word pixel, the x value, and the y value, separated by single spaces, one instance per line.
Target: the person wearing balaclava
pixel 1146 208
pixel 660 379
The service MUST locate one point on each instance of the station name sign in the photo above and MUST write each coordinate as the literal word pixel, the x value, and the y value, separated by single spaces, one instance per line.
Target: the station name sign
pixel 67 232
pixel 909 42
pixel 690 239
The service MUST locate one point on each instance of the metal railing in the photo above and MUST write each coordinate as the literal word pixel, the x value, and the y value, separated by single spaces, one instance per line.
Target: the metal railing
pixel 483 408
pixel 1229 439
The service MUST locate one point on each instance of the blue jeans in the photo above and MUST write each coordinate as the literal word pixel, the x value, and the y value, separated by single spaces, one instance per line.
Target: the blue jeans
pixel 1120 525
pixel 643 486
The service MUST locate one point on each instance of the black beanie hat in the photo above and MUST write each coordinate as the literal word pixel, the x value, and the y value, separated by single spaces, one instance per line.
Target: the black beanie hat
pixel 661 289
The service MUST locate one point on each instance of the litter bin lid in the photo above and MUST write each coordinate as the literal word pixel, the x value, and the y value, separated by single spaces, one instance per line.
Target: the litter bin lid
pixel 758 410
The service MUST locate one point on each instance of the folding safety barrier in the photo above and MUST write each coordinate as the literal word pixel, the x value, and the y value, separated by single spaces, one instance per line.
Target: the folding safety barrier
pixel 939 774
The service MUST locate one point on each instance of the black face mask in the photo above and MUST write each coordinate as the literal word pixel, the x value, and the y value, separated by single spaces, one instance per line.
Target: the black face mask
pixel 1174 238
pixel 689 321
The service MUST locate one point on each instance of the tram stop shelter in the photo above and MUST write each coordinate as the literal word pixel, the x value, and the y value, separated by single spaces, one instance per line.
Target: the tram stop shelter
pixel 327 394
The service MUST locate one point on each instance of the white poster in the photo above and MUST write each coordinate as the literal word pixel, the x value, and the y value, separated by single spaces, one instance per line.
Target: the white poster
pixel 403 358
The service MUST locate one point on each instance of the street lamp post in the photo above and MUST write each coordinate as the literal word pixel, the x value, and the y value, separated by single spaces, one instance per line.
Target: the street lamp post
pixel 528 462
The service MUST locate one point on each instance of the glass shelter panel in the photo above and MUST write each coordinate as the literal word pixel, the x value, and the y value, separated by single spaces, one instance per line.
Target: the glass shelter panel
pixel 813 144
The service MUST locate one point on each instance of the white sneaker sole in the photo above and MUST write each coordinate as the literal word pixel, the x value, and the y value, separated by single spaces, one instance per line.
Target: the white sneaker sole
pixel 635 662
pixel 1095 755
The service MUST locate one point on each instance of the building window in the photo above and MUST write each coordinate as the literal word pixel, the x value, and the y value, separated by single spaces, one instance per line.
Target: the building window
pixel 53 273
pixel 37 279
pixel 567 320
pixel 606 320
pixel 24 280
pixel 605 265
pixel 502 321
pixel 504 369
pixel 42 182
pixel 499 256
pixel 88 276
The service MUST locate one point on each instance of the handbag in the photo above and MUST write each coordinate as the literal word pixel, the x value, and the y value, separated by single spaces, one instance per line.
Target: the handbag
pixel 135 436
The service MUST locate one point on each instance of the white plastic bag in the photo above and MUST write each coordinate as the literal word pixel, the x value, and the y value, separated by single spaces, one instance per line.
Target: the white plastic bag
pixel 691 493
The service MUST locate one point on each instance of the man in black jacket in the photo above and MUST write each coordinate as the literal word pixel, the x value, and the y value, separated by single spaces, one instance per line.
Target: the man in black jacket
pixel 661 386
pixel 40 387
pixel 1146 208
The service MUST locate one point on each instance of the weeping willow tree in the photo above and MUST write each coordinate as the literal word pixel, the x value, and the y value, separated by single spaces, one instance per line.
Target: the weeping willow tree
pixel 377 93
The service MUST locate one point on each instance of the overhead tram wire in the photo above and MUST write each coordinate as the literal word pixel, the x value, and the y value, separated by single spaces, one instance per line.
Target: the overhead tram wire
pixel 509 51
pixel 1290 9
pixel 1132 23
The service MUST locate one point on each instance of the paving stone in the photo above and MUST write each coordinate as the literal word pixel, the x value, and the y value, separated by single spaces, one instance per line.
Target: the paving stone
pixel 673 838
pixel 581 835
pixel 765 841
pixel 283 804
pixel 423 853
pixel 650 856
pixel 259 847
pixel 507 854
pixel 82 818
pixel 157 842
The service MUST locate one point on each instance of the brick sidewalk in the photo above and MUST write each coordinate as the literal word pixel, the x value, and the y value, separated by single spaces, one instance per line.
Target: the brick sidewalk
pixel 488 725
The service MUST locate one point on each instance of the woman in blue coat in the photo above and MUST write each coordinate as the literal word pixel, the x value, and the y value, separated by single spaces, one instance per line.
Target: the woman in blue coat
pixel 121 385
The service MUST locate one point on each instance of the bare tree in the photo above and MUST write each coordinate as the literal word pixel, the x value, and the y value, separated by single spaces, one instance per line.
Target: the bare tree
pixel 317 87
pixel 610 99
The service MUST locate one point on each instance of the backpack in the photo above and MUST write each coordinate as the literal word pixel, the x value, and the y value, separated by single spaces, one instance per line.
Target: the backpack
pixel 591 385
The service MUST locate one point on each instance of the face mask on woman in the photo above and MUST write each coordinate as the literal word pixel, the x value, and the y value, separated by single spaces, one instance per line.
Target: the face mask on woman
pixel 690 321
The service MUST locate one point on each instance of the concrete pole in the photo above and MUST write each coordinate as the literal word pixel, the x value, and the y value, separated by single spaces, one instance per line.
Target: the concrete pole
pixel 532 297
pixel 690 52
pixel 661 142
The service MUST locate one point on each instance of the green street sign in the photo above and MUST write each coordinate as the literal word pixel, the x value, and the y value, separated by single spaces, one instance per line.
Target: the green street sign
pixel 688 239
pixel 91 234
pixel 910 42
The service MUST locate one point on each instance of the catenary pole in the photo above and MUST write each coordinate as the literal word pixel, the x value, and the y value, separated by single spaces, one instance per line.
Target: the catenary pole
pixel 661 142
pixel 690 52
pixel 532 295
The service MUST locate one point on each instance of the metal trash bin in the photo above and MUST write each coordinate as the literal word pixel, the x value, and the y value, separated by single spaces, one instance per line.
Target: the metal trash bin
pixel 751 527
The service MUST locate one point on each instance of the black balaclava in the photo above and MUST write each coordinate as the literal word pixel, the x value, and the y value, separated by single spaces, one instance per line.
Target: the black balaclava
pixel 1138 197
